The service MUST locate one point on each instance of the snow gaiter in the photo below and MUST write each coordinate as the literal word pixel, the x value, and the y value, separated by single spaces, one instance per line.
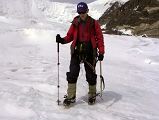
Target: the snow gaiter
pixel 71 90
pixel 92 90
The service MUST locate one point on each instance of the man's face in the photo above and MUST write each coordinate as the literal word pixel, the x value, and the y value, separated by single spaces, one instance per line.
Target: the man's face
pixel 83 15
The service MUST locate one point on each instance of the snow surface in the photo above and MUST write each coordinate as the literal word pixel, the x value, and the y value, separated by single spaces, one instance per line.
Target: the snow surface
pixel 28 74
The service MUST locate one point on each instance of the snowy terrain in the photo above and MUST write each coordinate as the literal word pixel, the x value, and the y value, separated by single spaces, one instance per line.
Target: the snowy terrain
pixel 28 74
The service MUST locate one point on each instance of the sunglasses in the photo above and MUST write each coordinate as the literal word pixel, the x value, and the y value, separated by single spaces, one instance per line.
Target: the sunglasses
pixel 81 13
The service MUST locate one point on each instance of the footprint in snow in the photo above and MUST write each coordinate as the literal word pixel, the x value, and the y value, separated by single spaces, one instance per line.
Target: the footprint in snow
pixel 14 70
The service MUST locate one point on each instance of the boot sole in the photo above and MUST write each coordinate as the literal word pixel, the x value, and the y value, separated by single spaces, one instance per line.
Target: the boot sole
pixel 68 106
pixel 91 103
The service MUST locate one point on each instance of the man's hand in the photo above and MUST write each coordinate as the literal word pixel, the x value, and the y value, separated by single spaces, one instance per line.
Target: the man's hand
pixel 59 39
pixel 100 57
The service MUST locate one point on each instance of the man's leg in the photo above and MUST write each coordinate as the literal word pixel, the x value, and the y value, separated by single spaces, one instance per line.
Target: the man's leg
pixel 92 80
pixel 72 80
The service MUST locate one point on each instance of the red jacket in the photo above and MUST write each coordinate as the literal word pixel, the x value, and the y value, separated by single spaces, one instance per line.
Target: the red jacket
pixel 94 34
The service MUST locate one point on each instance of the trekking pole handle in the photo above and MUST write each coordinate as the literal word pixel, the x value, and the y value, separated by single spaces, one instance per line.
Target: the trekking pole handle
pixel 58 47
pixel 58 53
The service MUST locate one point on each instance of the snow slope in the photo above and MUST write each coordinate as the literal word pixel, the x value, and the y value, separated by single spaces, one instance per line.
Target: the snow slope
pixel 55 11
pixel 64 12
pixel 28 75
pixel 28 78
pixel 20 9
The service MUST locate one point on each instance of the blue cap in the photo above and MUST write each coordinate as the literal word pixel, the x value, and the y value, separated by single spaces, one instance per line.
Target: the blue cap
pixel 82 7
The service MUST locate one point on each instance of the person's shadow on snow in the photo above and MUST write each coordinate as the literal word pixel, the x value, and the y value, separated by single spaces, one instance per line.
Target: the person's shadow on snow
pixel 108 97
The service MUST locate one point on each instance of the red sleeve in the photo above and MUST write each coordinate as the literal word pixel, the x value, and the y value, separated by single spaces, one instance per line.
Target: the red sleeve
pixel 69 37
pixel 100 39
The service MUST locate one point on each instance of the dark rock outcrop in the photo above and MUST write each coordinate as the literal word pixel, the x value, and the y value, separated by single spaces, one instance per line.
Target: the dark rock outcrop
pixel 140 16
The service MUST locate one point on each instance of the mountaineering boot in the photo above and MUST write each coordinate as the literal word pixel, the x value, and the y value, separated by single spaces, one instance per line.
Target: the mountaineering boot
pixel 71 94
pixel 92 94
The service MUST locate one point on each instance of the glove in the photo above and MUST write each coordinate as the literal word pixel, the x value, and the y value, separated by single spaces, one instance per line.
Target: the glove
pixel 59 39
pixel 100 57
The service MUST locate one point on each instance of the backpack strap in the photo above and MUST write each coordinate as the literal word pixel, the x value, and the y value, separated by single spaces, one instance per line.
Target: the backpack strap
pixel 76 21
pixel 92 25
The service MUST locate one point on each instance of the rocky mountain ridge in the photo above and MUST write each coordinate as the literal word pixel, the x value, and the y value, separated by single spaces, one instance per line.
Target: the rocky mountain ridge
pixel 139 16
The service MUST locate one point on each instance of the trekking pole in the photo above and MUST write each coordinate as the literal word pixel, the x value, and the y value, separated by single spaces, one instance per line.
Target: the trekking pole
pixel 58 86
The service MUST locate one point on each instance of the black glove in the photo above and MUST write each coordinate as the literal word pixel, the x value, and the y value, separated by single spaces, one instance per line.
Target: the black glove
pixel 100 57
pixel 59 39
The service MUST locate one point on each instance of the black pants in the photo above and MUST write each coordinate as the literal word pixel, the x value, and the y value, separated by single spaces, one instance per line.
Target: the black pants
pixel 72 76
